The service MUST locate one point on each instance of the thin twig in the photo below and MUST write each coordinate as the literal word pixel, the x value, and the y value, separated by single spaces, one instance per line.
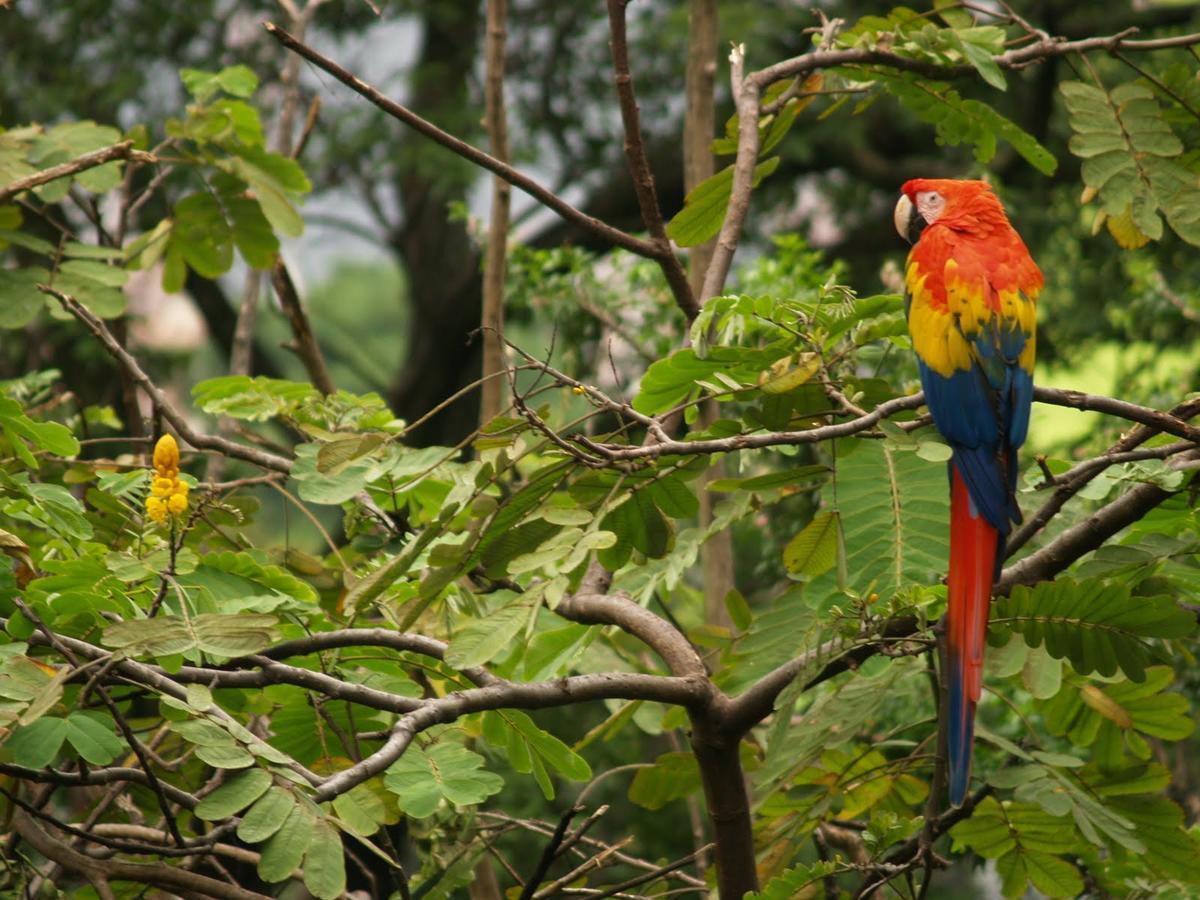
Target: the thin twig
pixel 123 150
pixel 462 148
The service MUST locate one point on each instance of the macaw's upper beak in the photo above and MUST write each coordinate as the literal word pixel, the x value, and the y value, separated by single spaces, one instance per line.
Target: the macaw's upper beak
pixel 909 222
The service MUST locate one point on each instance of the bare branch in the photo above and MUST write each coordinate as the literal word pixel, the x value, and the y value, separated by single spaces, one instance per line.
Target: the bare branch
pixel 518 179
pixel 112 775
pixel 306 346
pixel 123 150
pixel 181 425
pixel 745 92
pixel 639 165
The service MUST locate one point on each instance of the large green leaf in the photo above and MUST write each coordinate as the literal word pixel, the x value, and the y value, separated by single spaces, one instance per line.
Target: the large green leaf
pixel 1024 841
pixel 705 205
pixel 895 515
pixel 1095 624
pixel 1114 717
pixel 220 635
pixel 421 778
pixel 1131 158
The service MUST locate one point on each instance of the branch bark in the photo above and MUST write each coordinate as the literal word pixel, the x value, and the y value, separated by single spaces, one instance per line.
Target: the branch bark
pixel 492 395
pixel 639 165
pixel 100 872
pixel 123 150
pixel 514 177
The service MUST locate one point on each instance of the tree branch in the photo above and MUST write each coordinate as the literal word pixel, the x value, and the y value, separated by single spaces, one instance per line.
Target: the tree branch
pixel 1038 51
pixel 100 871
pixel 514 177
pixel 306 345
pixel 181 425
pixel 123 150
pixel 745 92
pixel 639 165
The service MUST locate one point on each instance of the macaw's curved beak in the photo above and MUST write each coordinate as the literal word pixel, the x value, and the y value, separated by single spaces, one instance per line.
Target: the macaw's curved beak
pixel 909 222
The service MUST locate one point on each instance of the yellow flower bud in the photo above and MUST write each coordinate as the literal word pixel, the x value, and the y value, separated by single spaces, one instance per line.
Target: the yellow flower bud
pixel 177 504
pixel 156 509
pixel 166 456
pixel 162 487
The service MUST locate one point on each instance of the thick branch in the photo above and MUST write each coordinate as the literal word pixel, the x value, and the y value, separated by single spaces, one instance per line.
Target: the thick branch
pixel 467 151
pixel 639 165
pixel 590 605
pixel 123 150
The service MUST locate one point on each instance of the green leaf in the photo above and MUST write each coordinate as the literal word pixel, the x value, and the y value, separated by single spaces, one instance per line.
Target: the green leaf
pixel 980 58
pixel 282 853
pixel 266 816
pixel 49 436
pixel 215 633
pixel 93 738
pixel 20 300
pixel 894 507
pixel 325 864
pixel 1132 158
pixel 37 744
pixel 481 640
pixel 957 120
pixel 255 399
pixel 234 795
pixel 672 776
pixel 813 551
pixel 201 235
pixel 421 779
pixel 1095 624
pixel 773 481
pixel 705 205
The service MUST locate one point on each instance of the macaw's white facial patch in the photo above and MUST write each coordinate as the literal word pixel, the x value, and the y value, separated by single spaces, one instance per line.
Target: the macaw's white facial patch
pixel 930 205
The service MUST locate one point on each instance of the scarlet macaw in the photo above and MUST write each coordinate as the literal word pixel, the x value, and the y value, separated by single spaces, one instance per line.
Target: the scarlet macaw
pixel 971 288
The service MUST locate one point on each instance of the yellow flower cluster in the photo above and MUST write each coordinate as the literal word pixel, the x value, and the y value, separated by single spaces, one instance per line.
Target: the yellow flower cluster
pixel 168 494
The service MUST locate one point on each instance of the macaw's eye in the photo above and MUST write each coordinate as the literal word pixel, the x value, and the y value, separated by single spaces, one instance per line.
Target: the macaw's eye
pixel 930 205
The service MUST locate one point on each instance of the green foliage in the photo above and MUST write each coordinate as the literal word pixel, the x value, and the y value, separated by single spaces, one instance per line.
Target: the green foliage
pixel 1133 161
pixel 958 120
pixel 263 663
pixel 422 779
pixel 1095 624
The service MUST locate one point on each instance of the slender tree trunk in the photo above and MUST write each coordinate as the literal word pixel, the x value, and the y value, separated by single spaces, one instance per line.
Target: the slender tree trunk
pixel 699 126
pixel 493 391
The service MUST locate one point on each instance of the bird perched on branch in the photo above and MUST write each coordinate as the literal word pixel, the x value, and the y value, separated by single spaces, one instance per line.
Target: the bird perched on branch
pixel 971 292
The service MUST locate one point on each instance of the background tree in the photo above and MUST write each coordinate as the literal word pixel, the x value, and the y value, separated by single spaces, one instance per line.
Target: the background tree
pixel 341 661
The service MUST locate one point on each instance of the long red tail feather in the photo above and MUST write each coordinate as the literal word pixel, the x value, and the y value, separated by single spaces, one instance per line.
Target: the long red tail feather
pixel 973 546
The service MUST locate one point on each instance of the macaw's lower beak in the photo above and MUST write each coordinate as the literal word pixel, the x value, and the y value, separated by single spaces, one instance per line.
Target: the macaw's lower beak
pixel 909 222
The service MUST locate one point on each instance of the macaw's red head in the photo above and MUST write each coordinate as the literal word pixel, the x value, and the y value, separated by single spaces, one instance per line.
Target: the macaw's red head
pixel 958 204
